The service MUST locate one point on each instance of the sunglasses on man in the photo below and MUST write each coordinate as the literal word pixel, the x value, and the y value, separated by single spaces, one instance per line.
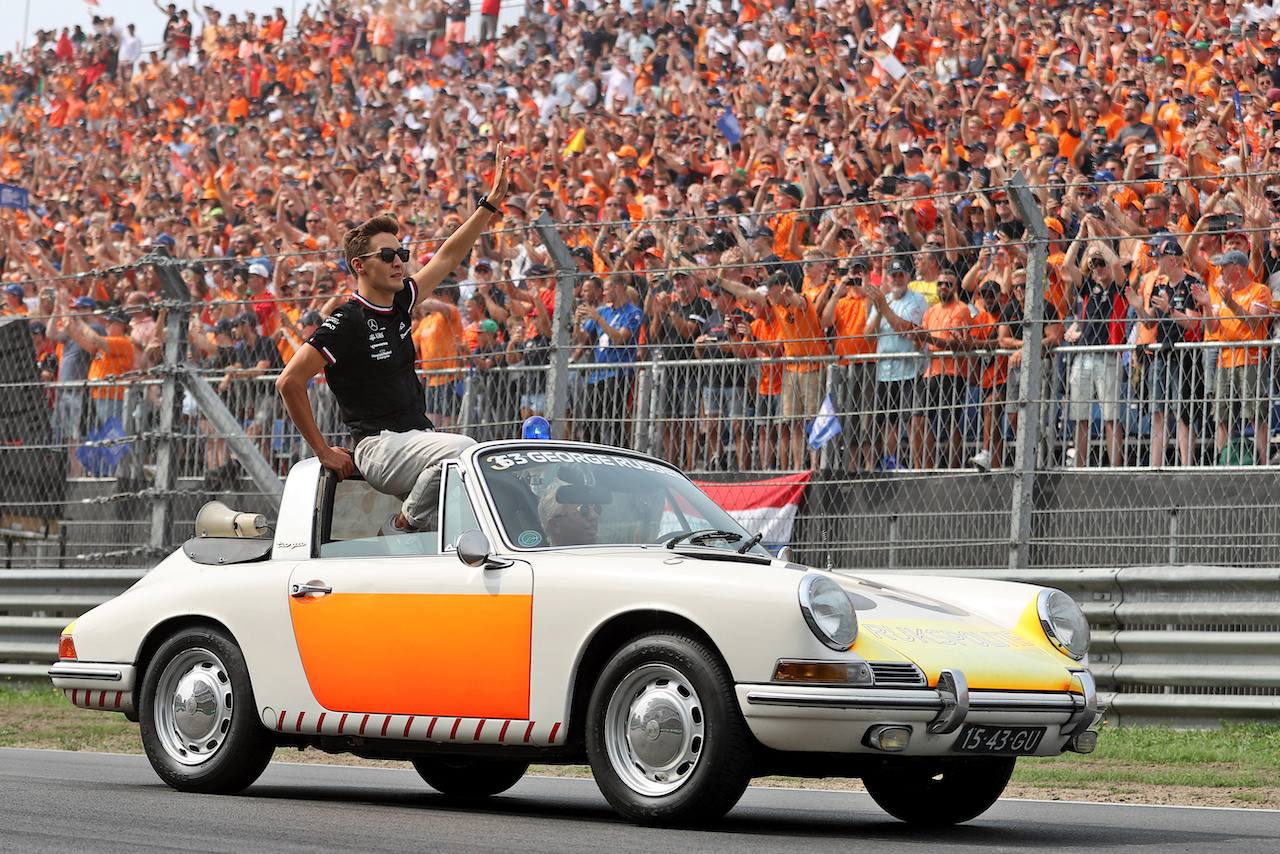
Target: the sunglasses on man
pixel 388 254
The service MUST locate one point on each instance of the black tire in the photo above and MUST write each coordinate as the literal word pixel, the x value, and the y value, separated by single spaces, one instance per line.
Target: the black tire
pixel 198 718
pixel 940 792
pixel 470 778
pixel 689 759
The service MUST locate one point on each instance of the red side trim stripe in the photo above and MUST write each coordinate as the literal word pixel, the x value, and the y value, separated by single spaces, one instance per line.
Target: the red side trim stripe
pixel 320 723
pixel 555 729
pixel 503 735
pixel 407 725
pixel 528 732
pixel 298 726
pixel 479 727
pixel 386 724
pixel 453 732
pixel 280 723
pixel 341 724
pixel 431 727
pixel 363 724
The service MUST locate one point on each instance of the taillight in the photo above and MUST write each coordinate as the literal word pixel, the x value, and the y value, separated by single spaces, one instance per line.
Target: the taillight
pixel 67 646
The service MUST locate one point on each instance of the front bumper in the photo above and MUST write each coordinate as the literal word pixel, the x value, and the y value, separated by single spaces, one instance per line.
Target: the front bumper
pixel 94 685
pixel 834 719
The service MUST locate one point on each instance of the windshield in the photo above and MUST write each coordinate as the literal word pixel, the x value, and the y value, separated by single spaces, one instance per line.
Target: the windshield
pixel 558 497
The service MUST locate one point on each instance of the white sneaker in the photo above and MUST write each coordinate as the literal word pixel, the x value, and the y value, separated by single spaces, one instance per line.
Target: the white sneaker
pixel 982 460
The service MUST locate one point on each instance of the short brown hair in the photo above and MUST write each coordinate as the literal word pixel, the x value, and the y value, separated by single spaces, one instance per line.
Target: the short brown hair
pixel 356 241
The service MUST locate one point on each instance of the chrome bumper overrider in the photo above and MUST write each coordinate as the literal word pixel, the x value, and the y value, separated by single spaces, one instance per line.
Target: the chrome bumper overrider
pixel 71 670
pixel 951 701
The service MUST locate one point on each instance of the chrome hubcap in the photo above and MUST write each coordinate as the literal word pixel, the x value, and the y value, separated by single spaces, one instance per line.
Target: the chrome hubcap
pixel 193 706
pixel 654 729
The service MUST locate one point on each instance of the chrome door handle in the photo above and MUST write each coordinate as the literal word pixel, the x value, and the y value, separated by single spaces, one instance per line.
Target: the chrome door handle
pixel 300 590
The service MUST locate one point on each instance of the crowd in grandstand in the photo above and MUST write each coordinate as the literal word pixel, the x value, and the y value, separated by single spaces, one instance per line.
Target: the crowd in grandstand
pixel 778 200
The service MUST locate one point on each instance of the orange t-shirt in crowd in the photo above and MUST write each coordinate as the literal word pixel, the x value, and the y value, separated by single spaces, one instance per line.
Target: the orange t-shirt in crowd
pixel 1236 329
pixel 439 336
pixel 111 362
pixel 996 372
pixel 850 323
pixel 801 335
pixel 770 372
pixel 946 320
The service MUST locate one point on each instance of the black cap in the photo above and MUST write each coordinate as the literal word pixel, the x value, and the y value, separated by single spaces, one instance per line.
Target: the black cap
pixel 540 270
pixel 897 265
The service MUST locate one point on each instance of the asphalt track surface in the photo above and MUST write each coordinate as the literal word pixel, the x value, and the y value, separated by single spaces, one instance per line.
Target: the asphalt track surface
pixel 53 801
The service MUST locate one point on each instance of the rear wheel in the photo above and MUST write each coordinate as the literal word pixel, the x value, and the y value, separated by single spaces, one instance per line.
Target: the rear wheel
pixel 470 778
pixel 666 740
pixel 941 792
pixel 198 718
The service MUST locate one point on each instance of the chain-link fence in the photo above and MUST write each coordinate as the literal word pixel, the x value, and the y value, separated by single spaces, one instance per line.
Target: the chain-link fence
pixel 1030 443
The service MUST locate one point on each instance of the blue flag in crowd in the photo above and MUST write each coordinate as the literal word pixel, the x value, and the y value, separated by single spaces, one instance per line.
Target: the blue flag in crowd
pixel 13 197
pixel 728 124
pixel 825 427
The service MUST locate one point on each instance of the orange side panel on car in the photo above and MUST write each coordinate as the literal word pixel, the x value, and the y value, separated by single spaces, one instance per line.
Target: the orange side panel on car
pixel 414 654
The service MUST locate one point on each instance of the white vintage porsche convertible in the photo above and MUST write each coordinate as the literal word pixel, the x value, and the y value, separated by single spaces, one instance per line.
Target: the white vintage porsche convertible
pixel 579 603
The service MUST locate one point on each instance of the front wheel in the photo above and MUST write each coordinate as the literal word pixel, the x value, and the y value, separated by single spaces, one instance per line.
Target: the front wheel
pixel 198 718
pixel 939 792
pixel 470 778
pixel 666 741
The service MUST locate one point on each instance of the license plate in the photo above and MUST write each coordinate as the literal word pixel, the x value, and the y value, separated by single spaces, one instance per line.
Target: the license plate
pixel 1007 740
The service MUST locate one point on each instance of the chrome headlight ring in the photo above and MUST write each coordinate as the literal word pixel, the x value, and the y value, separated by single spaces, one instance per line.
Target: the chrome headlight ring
pixel 828 610
pixel 1064 623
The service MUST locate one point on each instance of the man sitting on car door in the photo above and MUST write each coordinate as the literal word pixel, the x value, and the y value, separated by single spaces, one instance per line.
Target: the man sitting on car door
pixel 367 352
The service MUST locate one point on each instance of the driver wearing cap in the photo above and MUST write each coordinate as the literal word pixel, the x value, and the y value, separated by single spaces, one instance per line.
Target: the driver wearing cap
pixel 570 514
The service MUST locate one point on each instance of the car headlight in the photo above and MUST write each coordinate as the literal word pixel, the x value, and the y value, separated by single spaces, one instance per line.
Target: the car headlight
pixel 1064 623
pixel 828 611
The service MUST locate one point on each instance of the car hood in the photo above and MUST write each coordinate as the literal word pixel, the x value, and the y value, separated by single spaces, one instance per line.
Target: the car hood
pixel 1006 651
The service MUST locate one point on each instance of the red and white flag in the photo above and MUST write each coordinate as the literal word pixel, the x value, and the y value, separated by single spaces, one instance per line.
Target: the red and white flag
pixel 765 506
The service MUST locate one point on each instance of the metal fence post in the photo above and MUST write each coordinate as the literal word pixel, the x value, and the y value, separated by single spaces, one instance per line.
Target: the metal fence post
pixel 1029 406
pixel 178 301
pixel 561 323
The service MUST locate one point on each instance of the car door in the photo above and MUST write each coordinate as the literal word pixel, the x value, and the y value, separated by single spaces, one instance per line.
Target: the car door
pixel 399 625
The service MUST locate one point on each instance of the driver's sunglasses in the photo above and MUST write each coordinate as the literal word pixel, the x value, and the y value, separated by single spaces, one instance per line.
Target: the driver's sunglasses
pixel 582 511
pixel 388 254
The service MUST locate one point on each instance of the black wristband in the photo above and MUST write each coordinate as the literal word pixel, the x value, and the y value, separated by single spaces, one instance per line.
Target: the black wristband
pixel 483 202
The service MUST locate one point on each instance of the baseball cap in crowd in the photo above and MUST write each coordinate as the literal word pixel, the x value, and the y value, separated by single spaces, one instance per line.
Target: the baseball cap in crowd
pixel 259 270
pixel 1104 175
pixel 540 270
pixel 858 263
pixel 832 189
pixel 889 215
pixel 116 315
pixel 224 326
pixel 714 289
pixel 246 318
pixel 118 227
pixel 166 239
pixel 789 189
pixel 1233 257
pixel 1054 223
pixel 517 202
pixel 489 326
pixel 897 265
pixel 763 231
pixel 732 201
pixel 921 178
pixel 310 317
pixel 483 262
pixel 84 302
pixel 682 271
pixel 15 290
pixel 1170 246
pixel 37 328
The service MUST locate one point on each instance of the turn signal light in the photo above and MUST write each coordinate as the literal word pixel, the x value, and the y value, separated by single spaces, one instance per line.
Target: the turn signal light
pixel 890 739
pixel 66 648
pixel 823 672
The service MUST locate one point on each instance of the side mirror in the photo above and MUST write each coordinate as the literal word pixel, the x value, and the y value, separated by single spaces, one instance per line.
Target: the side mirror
pixel 784 553
pixel 474 550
